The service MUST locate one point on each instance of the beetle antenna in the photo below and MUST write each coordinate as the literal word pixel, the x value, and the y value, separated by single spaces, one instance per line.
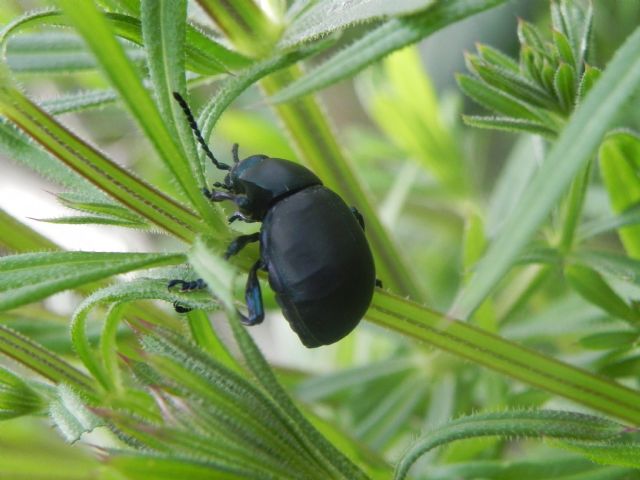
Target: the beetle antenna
pixel 194 126
pixel 234 152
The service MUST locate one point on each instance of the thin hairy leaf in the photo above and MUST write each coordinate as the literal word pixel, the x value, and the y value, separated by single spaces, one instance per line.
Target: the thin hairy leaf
pixel 376 44
pixel 98 35
pixel 17 397
pixel 627 218
pixel 166 467
pixel 593 288
pixel 31 277
pixel 327 16
pixel 163 30
pixel 94 166
pixel 508 124
pixel 531 424
pixel 39 359
pixel 79 101
pixel 569 155
pixel 94 204
pixel 17 237
pixel 619 158
pixel 203 54
pixel 71 415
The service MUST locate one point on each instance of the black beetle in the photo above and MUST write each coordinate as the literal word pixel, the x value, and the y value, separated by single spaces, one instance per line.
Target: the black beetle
pixel 312 244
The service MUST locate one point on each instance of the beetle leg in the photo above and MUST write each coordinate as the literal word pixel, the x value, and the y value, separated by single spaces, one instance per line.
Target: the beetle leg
pixel 358 216
pixel 253 296
pixel 378 283
pixel 188 286
pixel 239 243
pixel 217 196
pixel 240 216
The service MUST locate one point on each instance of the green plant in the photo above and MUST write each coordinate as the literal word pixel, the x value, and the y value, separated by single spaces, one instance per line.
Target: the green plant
pixel 176 399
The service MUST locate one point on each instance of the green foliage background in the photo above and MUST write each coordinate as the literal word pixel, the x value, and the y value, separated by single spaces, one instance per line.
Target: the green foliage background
pixel 509 312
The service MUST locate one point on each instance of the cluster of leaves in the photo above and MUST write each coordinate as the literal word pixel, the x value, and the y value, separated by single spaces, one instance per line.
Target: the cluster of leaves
pixel 176 402
pixel 538 93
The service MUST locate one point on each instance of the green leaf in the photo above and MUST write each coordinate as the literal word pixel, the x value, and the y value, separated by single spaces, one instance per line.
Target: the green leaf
pixel 327 16
pixel 619 157
pixel 509 82
pixel 145 466
pixel 611 340
pixel 163 30
pixel 574 19
pixel 589 78
pixel 39 359
pixel 203 54
pixel 71 415
pixel 569 155
pixel 565 53
pixel 17 398
pixel 376 44
pixel 564 83
pixel 628 217
pixel 624 452
pixel 497 58
pixel 93 204
pixel 609 264
pixel 96 31
pixel 79 101
pixel 509 424
pixel 104 173
pixel 33 276
pixel 592 287
pixel 497 100
pixel 528 35
pixel 507 124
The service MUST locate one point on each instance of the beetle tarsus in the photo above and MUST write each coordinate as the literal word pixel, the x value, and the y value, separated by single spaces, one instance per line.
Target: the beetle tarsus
pixel 240 216
pixel 217 196
pixel 378 283
pixel 239 243
pixel 180 307
pixel 188 285
pixel 253 297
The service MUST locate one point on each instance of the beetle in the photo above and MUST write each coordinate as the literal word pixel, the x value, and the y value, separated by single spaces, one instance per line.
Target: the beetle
pixel 312 245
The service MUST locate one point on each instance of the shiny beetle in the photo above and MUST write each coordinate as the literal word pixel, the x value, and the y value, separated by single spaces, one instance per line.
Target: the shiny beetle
pixel 312 245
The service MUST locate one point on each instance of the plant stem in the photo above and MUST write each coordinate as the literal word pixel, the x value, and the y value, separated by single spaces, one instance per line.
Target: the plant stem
pixel 499 354
pixel 573 208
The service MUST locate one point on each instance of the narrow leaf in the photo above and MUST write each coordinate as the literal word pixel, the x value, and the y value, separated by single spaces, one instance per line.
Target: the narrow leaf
pixel 30 277
pixel 497 100
pixel 516 125
pixel 619 157
pixel 564 84
pixel 532 424
pixel 376 44
pixel 592 287
pixel 326 17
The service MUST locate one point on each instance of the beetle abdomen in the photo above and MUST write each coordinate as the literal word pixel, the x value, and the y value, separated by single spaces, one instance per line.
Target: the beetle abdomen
pixel 320 265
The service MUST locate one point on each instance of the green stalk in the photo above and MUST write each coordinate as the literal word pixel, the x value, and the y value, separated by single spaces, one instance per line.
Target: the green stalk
pixel 501 355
